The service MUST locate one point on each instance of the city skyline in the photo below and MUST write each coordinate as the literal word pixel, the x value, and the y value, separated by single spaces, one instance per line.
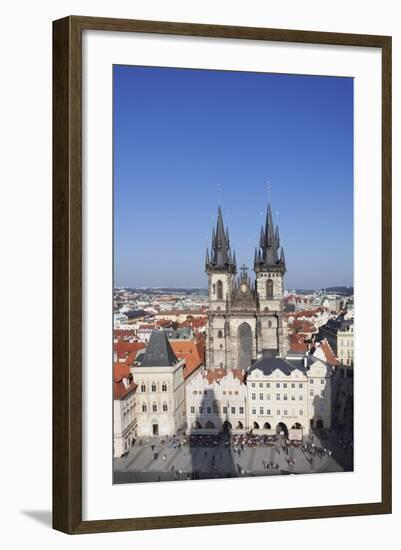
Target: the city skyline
pixel 186 141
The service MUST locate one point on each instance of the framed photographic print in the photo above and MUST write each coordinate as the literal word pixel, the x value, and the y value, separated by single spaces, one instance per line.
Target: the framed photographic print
pixel 222 274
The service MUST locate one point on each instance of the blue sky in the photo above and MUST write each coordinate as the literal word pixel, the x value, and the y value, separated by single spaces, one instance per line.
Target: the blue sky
pixel 188 140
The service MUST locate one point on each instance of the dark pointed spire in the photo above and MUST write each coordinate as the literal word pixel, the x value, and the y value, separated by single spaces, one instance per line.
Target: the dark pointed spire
pixel 256 256
pixel 262 237
pixel 282 258
pixel 234 261
pixel 277 237
pixel 220 257
pixel 269 244
pixel 207 261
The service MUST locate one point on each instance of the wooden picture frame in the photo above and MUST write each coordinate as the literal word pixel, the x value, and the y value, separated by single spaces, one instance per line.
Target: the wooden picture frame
pixel 67 274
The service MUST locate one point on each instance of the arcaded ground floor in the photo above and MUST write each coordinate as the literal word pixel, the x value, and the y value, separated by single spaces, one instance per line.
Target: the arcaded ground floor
pixel 179 458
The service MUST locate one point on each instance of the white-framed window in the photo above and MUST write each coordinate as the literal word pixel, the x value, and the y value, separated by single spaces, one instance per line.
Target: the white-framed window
pixel 310 380
pixel 232 410
pixel 321 393
pixel 268 411
pixel 144 407
pixel 261 410
pixel 165 408
pixel 208 410
pixel 164 386
pixel 261 396
pixel 154 407
pixel 293 385
pixel 153 386
pixel 143 388
pixel 192 410
pixel 254 396
pixel 285 397
pixel 277 384
pixel 300 385
pixel 268 396
pixel 277 397
pixel 285 385
pixel 241 410
pixel 311 393
pixel 322 380
pixel 301 412
pixel 225 410
pixel 285 412
pixel 301 397
pixel 253 411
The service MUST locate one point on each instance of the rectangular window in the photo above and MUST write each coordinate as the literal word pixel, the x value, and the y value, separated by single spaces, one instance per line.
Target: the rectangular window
pixel 241 410
pixel 268 411
pixel 285 412
pixel 311 381
pixel 261 410
pixel 292 397
pixel 268 396
pixel 301 385
pixel 267 384
pixel 224 410
pixel 192 410
pixel 200 410
pixel 209 410
pixel 253 411
pixel 322 381
pixel 277 396
pixel 277 384
pixel 253 384
pixel 261 396
pixel 278 412
pixel 254 396
pixel 311 393
pixel 232 410
pixel 292 385
pixel 285 385
pixel 285 397
pixel 260 384
pixel 301 397
pixel 301 412
pixel 322 393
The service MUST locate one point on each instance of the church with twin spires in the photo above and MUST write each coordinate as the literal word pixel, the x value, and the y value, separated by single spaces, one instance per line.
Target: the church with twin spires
pixel 245 319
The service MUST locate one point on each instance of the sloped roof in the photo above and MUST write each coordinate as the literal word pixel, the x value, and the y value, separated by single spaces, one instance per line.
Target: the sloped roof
pixel 269 364
pixel 159 352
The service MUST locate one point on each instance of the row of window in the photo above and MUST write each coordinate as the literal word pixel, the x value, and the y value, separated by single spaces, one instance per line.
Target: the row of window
pixel 278 385
pixel 278 397
pixel 208 410
pixel 154 407
pixel 153 387
pixel 278 412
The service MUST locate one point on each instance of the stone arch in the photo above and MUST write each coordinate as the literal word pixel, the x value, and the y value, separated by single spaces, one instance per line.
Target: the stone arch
pixel 281 427
pixel 296 426
pixel 266 426
pixel 197 425
pixel 244 346
pixel 210 425
pixel 255 426
pixel 240 426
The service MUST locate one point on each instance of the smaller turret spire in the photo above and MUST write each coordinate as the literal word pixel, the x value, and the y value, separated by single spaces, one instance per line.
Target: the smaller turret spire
pixel 277 237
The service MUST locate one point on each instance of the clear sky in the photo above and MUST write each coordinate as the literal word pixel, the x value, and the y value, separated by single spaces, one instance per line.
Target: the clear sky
pixel 186 140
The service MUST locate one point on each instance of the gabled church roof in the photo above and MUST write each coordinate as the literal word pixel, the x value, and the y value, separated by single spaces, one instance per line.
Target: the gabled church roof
pixel 159 352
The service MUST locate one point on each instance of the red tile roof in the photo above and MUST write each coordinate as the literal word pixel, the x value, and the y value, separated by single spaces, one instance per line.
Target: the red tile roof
pixel 190 350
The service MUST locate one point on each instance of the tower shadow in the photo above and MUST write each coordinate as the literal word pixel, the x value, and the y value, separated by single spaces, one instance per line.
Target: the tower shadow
pixel 210 443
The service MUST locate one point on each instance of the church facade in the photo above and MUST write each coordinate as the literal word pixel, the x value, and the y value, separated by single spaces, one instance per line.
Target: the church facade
pixel 245 319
